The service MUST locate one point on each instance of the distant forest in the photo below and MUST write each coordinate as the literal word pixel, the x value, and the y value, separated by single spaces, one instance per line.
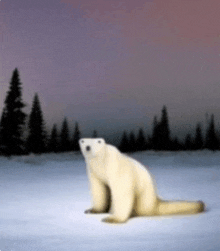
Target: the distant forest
pixel 15 123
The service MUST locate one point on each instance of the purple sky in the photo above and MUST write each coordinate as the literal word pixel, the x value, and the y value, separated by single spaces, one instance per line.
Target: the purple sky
pixel 112 65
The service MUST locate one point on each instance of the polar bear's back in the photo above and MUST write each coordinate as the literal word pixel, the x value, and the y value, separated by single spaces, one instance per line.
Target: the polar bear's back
pixel 136 169
pixel 143 176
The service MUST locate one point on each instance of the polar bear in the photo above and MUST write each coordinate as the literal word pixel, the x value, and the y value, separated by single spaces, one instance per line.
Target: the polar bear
pixel 120 183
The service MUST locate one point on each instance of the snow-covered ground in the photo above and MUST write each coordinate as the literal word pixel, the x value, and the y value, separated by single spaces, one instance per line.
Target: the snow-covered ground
pixel 43 198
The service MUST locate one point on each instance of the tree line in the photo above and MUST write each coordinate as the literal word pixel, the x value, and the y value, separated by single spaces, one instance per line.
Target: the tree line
pixel 161 139
pixel 14 122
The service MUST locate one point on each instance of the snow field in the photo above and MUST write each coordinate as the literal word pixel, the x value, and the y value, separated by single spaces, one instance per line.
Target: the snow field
pixel 43 199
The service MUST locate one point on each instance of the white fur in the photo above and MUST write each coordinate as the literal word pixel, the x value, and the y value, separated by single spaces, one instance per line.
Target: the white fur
pixel 132 190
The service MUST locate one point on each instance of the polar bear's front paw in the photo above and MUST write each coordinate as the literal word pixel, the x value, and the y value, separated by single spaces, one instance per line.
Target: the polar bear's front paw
pixel 91 211
pixel 112 220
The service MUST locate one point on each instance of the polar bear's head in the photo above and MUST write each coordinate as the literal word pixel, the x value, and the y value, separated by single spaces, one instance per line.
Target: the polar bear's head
pixel 91 148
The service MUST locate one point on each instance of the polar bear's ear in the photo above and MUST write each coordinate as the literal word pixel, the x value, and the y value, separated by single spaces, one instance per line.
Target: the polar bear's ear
pixel 100 141
pixel 81 141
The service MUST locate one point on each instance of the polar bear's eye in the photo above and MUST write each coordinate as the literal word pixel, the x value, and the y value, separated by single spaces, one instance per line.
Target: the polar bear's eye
pixel 99 141
pixel 82 141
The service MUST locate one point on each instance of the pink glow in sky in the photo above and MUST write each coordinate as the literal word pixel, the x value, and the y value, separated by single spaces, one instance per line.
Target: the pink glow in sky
pixel 113 64
pixel 166 22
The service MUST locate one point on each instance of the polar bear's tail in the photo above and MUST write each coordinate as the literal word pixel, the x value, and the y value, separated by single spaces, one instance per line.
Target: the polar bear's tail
pixel 180 207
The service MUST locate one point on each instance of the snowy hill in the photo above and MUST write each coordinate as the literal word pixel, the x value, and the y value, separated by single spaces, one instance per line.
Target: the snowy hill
pixel 43 199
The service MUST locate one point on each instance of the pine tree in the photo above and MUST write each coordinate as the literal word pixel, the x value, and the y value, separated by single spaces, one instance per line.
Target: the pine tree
pixel 124 144
pixel 149 142
pixel 13 118
pixel 198 138
pixel 54 143
pixel 64 137
pixel 76 137
pixel 141 141
pixel 188 142
pixel 36 141
pixel 176 145
pixel 132 142
pixel 3 137
pixel 212 141
pixel 155 135
pixel 95 134
pixel 164 131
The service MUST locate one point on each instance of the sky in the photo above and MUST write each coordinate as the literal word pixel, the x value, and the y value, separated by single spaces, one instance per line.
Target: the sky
pixel 112 65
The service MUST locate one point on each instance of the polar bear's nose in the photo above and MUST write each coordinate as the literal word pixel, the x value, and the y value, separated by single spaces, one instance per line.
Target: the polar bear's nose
pixel 88 148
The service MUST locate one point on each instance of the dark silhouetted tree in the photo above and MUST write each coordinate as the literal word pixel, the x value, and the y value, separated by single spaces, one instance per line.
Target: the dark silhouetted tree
pixel 149 142
pixel 164 131
pixel 141 141
pixel 3 137
pixel 76 137
pixel 188 142
pixel 95 134
pixel 212 142
pixel 132 142
pixel 161 133
pixel 198 138
pixel 13 118
pixel 176 145
pixel 155 135
pixel 64 137
pixel 124 144
pixel 53 145
pixel 36 141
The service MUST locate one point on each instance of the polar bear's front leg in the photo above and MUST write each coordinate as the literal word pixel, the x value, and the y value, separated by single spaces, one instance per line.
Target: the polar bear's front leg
pixel 100 195
pixel 122 203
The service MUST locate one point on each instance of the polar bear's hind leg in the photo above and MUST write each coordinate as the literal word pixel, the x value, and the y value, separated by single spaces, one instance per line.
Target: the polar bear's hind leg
pixel 145 206
pixel 180 207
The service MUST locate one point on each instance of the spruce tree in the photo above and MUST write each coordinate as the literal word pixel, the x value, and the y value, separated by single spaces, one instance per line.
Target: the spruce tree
pixel 3 136
pixel 198 138
pixel 36 141
pixel 188 142
pixel 176 145
pixel 64 137
pixel 132 142
pixel 124 144
pixel 155 134
pixel 164 131
pixel 95 134
pixel 212 141
pixel 76 137
pixel 141 141
pixel 13 118
pixel 148 142
pixel 53 142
